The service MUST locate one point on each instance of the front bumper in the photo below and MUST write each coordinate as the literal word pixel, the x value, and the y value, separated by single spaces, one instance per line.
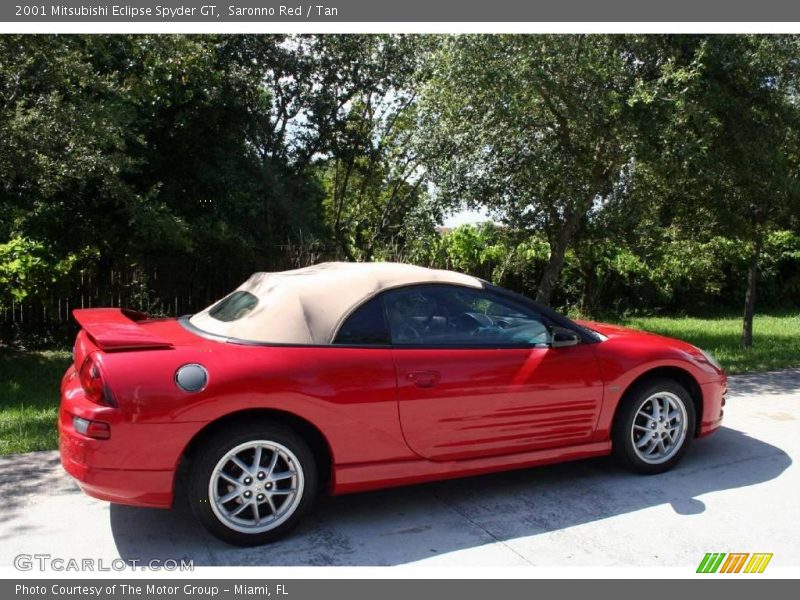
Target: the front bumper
pixel 713 402
pixel 118 469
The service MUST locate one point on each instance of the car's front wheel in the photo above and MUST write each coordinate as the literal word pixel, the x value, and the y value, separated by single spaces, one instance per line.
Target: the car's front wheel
pixel 654 426
pixel 252 484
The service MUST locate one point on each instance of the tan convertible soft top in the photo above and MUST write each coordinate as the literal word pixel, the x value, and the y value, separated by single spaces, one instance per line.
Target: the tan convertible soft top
pixel 306 306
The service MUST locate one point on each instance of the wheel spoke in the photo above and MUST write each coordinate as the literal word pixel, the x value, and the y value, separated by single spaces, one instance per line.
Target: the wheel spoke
pixel 272 463
pixel 656 409
pixel 229 478
pixel 644 440
pixel 228 497
pixel 238 462
pixel 241 508
pixel 256 460
pixel 284 492
pixel 282 475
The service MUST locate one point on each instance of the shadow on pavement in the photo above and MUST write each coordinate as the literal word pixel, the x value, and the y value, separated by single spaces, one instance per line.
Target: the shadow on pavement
pixel 23 476
pixel 403 525
pixel 776 382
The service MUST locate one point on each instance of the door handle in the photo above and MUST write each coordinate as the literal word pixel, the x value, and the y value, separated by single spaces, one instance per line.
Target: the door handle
pixel 424 379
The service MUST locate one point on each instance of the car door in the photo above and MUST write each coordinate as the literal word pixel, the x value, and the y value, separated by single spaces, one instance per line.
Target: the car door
pixel 476 375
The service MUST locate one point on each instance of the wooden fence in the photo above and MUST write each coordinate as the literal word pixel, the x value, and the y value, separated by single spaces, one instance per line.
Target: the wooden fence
pixel 50 319
pixel 169 290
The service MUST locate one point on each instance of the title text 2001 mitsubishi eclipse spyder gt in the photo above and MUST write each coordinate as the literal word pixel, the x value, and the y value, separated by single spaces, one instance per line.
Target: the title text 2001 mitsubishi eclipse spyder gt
pixel 347 377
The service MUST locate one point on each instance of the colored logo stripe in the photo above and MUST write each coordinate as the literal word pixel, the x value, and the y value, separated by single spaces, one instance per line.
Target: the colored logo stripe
pixel 710 562
pixel 713 562
pixel 758 563
pixel 734 562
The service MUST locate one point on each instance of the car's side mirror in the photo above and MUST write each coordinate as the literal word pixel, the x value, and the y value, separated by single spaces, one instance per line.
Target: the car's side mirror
pixel 563 337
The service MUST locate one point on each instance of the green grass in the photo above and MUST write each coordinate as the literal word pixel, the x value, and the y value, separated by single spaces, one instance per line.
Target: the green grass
pixel 776 338
pixel 29 394
pixel 29 381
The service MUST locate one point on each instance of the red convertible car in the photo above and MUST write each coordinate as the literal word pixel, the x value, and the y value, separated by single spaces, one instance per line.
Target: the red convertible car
pixel 346 377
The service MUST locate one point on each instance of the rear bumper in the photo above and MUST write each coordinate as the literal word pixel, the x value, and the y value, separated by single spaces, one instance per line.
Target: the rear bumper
pixel 115 470
pixel 713 402
pixel 120 486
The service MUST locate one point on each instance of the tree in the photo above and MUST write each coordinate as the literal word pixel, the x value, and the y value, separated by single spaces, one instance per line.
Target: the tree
pixel 724 153
pixel 372 173
pixel 343 111
pixel 64 139
pixel 144 149
pixel 535 128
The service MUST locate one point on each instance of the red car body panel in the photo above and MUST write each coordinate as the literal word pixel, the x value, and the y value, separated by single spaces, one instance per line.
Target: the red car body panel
pixel 628 354
pixel 489 402
pixel 388 416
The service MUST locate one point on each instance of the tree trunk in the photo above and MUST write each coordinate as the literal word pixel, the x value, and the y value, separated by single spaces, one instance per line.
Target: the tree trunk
pixel 558 249
pixel 750 295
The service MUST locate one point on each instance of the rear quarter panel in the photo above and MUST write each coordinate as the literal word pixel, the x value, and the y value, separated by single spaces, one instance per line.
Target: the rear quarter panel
pixel 349 394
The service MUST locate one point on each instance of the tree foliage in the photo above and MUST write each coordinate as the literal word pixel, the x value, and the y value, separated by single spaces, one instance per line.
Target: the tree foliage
pixel 534 127
pixel 625 173
pixel 725 144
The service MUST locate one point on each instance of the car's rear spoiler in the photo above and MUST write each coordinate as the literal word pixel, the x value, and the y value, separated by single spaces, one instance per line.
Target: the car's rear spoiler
pixel 117 329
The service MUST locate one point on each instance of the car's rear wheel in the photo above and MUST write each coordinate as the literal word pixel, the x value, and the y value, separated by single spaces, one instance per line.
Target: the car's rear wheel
pixel 654 426
pixel 252 484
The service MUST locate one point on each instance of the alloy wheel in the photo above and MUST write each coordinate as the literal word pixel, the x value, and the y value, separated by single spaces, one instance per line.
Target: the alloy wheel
pixel 659 427
pixel 256 486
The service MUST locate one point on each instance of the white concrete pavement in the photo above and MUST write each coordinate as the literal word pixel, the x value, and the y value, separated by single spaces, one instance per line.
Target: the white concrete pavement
pixel 738 490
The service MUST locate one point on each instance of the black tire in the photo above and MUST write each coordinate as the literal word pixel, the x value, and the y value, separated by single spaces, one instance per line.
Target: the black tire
pixel 218 446
pixel 624 436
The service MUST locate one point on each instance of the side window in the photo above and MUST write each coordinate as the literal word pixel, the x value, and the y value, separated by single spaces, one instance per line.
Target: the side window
pixel 366 326
pixel 459 316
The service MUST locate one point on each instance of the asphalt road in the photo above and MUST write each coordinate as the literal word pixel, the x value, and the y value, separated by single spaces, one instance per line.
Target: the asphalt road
pixel 738 490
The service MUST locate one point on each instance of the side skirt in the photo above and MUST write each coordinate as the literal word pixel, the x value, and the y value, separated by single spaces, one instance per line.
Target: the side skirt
pixel 369 476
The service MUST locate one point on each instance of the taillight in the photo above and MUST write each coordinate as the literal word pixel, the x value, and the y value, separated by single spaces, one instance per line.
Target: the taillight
pixel 91 378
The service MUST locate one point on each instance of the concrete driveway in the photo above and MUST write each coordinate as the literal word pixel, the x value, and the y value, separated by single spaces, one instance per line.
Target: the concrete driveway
pixel 738 490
